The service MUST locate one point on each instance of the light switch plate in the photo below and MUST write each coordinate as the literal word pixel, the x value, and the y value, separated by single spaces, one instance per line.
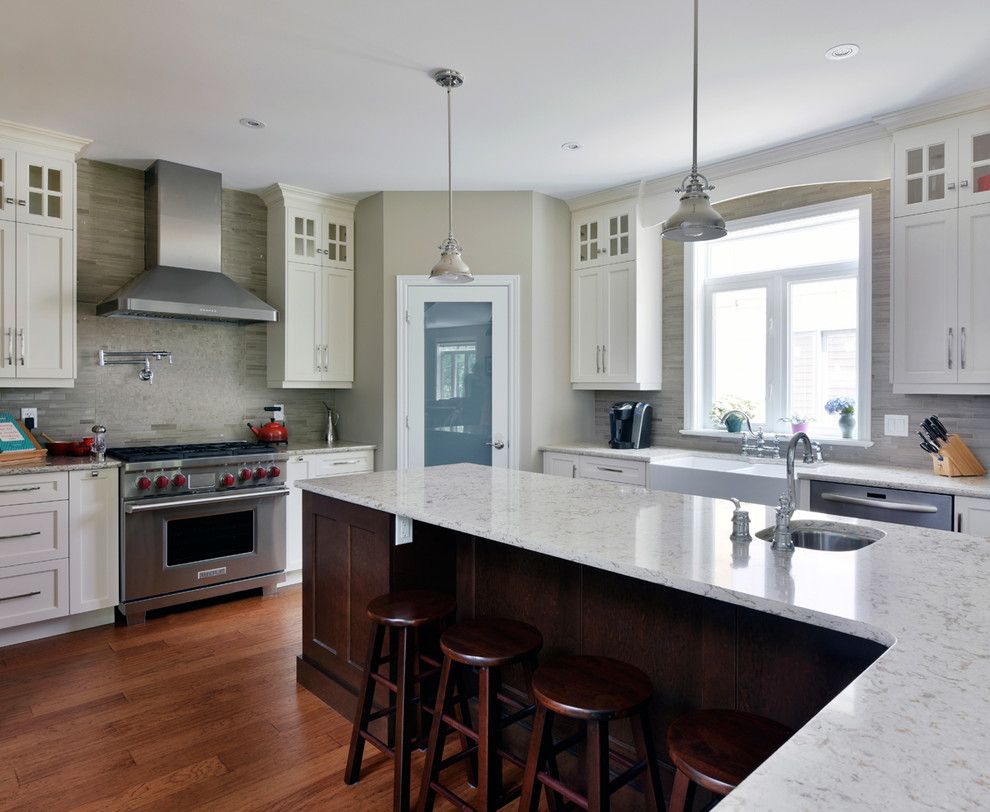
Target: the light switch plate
pixel 30 413
pixel 403 530
pixel 895 425
pixel 279 413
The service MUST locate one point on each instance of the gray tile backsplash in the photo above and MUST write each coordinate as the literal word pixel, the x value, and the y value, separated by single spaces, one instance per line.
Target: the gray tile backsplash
pixel 217 382
pixel 966 415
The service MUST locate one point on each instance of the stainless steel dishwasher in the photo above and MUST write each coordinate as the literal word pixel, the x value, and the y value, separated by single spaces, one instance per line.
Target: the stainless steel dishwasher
pixel 916 508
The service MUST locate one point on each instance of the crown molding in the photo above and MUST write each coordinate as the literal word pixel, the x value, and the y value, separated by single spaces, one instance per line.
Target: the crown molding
pixel 40 137
pixel 933 111
pixel 878 127
pixel 284 193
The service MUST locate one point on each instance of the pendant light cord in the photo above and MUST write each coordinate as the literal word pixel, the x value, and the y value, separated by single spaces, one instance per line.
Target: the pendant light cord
pixel 450 172
pixel 694 134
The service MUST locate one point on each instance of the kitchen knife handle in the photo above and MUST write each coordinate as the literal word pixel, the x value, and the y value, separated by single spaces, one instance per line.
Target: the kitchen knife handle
pixel 962 348
pixel 948 346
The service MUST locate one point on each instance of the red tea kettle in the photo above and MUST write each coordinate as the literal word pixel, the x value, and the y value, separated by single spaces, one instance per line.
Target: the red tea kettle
pixel 271 432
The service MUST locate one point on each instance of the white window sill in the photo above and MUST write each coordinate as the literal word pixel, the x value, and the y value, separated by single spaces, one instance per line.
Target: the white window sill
pixel 721 434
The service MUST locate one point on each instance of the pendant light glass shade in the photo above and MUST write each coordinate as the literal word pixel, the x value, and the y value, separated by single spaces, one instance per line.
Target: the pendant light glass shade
pixel 450 267
pixel 695 219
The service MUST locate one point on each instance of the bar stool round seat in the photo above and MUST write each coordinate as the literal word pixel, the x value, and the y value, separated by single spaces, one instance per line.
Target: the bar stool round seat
pixel 411 608
pixel 591 687
pixel 718 749
pixel 490 642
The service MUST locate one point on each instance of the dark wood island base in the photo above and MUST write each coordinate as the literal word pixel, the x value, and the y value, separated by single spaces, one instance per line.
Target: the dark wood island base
pixel 699 652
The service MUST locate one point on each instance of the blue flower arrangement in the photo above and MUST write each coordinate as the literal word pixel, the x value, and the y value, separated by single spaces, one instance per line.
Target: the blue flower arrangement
pixel 841 406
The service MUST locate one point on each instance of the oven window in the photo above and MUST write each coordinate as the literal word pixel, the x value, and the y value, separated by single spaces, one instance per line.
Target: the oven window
pixel 203 538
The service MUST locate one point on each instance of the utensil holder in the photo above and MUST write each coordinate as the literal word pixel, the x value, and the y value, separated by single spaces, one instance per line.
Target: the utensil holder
pixel 956 459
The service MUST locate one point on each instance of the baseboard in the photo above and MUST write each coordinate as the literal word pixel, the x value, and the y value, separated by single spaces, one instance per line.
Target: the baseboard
pixel 59 625
pixel 291 577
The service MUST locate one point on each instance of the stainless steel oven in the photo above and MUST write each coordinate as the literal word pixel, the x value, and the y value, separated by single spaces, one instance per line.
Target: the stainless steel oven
pixel 194 527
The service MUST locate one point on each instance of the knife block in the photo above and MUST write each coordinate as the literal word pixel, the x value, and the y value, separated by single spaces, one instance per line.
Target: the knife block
pixel 955 459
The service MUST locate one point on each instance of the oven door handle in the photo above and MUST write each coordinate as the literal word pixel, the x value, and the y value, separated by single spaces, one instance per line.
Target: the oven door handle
pixel 210 500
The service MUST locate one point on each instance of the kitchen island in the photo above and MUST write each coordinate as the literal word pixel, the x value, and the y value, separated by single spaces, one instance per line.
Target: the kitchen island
pixel 881 657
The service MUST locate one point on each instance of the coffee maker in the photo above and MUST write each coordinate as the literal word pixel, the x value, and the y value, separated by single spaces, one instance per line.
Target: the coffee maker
pixel 630 424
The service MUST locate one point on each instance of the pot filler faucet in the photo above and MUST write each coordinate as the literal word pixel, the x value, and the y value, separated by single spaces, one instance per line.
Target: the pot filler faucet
pixel 788 501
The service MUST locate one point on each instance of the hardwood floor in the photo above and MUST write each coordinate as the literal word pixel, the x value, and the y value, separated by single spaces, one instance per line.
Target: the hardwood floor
pixel 197 709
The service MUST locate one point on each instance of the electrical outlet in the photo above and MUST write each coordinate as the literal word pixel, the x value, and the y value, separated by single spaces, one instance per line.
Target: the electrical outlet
pixel 403 530
pixel 30 414
pixel 895 425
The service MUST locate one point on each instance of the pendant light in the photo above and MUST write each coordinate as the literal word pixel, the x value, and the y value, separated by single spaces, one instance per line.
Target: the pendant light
pixel 695 219
pixel 450 267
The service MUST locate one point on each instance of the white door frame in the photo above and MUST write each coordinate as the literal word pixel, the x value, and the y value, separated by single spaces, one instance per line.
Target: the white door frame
pixel 403 285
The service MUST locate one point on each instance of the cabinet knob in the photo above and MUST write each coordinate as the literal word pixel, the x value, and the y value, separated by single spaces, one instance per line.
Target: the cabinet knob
pixel 8 199
pixel 963 184
pixel 21 203
pixel 951 187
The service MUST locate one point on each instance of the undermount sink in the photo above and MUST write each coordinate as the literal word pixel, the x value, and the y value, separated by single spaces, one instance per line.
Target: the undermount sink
pixel 828 536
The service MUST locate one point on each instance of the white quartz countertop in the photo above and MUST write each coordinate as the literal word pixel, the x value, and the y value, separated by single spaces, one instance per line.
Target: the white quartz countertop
pixel 911 732
pixel 317 447
pixel 920 478
pixel 50 463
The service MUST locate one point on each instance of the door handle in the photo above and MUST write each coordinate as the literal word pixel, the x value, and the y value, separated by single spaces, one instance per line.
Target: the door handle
pixel 907 507
pixel 164 504
pixel 316 348
pixel 610 470
pixel 10 346
pixel 21 490
pixel 604 366
pixel 497 444
pixel 326 358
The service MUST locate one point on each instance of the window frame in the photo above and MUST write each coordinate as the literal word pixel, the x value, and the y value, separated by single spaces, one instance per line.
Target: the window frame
pixel 698 333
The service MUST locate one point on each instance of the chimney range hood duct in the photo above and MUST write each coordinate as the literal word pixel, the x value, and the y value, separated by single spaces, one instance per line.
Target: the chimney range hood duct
pixel 182 255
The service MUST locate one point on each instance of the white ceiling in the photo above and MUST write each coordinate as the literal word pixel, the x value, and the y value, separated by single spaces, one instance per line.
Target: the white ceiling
pixel 344 86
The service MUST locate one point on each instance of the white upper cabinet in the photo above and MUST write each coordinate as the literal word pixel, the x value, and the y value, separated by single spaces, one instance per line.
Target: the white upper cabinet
pixel 974 294
pixel 311 283
pixel 37 257
pixel 615 300
pixel 942 165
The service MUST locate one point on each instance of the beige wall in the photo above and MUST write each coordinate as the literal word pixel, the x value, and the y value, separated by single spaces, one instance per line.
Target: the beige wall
pixel 511 233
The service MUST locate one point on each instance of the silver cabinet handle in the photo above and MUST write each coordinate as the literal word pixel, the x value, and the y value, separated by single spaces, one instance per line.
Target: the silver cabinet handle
pixel 962 348
pixel 598 358
pixel 160 504
pixel 610 470
pixel 10 346
pixel 22 490
pixel 573 470
pixel 604 365
pixel 316 349
pixel 345 462
pixel 21 203
pixel 23 595
pixel 326 358
pixel 497 444
pixel 21 535
pixel 907 507
pixel 948 344
pixel 20 333
pixel 951 187
pixel 963 184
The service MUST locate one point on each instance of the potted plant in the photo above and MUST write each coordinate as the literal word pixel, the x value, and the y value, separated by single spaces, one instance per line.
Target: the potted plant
pixel 799 422
pixel 723 405
pixel 845 408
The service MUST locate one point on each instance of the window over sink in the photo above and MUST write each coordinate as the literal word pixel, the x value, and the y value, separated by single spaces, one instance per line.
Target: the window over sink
pixel 777 319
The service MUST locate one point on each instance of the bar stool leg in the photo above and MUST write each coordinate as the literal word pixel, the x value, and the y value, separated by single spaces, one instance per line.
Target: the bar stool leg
pixel 404 721
pixel 463 715
pixel 489 737
pixel 366 698
pixel 434 752
pixel 682 795
pixel 646 750
pixel 540 743
pixel 598 795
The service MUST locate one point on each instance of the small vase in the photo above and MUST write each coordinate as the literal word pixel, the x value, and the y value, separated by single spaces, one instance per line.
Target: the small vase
pixel 847 424
pixel 796 427
pixel 733 424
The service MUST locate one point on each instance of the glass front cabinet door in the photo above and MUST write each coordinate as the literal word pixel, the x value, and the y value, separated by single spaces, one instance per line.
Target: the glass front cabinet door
pixel 8 185
pixel 43 195
pixel 974 160
pixel 925 169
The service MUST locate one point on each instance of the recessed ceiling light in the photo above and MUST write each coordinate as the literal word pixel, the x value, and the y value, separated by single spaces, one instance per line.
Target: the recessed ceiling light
pixel 252 123
pixel 846 50
pixel 570 146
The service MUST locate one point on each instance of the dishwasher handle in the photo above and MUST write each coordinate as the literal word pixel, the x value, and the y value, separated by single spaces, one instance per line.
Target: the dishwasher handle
pixel 907 507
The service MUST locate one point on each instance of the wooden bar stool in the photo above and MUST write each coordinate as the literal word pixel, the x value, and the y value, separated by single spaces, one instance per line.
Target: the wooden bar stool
pixel 717 749
pixel 403 614
pixel 594 690
pixel 487 645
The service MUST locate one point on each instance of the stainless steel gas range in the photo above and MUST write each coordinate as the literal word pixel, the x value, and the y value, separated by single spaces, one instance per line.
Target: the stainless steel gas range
pixel 197 521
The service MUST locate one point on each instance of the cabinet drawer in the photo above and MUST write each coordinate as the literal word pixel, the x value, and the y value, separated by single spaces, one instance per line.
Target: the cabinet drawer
pixel 33 592
pixel 340 464
pixel 26 488
pixel 628 472
pixel 32 533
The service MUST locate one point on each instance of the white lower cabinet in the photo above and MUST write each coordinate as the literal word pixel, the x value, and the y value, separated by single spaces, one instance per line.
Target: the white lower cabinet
pixel 33 592
pixel 589 466
pixel 973 516
pixel 94 577
pixel 314 466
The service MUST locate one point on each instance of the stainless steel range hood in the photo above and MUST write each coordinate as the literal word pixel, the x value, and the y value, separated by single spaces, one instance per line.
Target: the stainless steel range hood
pixel 182 255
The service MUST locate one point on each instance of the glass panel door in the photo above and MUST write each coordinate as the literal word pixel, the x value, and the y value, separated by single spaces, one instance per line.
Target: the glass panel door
pixel 7 201
pixel 974 162
pixel 303 237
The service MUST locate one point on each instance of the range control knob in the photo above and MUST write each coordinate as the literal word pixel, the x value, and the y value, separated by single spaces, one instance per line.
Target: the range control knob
pixel 260 473
pixel 161 481
pixel 179 480
pixel 274 471
pixel 245 475
pixel 226 480
pixel 143 483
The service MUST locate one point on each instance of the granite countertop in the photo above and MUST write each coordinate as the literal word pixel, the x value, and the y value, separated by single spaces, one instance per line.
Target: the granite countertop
pixel 50 463
pixel 920 478
pixel 318 447
pixel 910 732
